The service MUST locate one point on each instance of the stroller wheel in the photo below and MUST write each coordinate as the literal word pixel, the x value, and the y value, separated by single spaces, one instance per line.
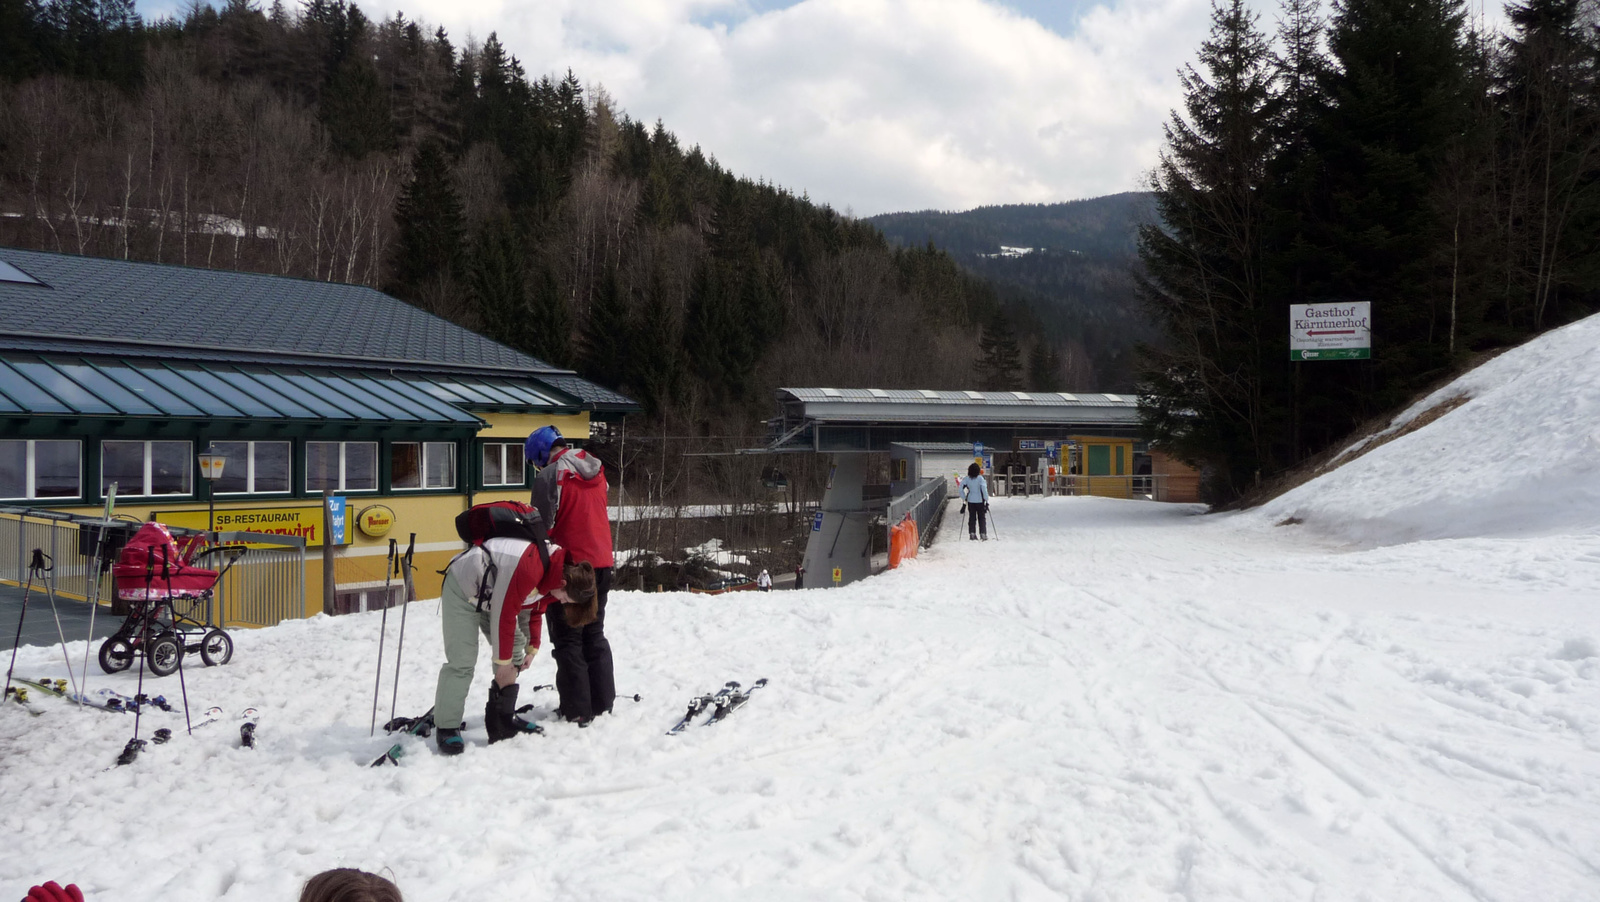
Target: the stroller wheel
pixel 216 648
pixel 116 655
pixel 164 653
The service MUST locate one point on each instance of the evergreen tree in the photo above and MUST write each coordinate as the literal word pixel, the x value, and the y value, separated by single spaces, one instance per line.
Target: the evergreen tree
pixel 999 357
pixel 1548 88
pixel 655 368
pixel 1044 367
pixel 552 320
pixel 1397 102
pixel 21 32
pixel 429 231
pixel 498 283
pixel 606 333
pixel 355 111
pixel 1202 391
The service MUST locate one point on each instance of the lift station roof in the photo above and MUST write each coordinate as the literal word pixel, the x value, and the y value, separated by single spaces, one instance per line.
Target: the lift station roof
pixel 869 419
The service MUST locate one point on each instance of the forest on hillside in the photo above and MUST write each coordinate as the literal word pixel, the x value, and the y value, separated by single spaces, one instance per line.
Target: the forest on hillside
pixel 1073 285
pixel 1372 150
pixel 314 141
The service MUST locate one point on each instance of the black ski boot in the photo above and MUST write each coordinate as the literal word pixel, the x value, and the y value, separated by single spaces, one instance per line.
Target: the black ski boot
pixel 498 713
pixel 450 741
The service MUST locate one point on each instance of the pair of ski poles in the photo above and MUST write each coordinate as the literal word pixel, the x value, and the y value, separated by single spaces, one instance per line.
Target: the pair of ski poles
pixel 392 567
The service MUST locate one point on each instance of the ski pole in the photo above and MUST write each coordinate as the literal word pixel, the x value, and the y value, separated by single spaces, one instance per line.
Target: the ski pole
pixel 61 634
pixel 36 567
pixel 149 576
pixel 405 603
pixel 383 627
pixel 992 527
pixel 183 685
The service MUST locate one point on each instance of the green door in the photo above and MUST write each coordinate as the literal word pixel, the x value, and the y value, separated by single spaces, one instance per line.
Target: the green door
pixel 1100 460
pixel 1120 470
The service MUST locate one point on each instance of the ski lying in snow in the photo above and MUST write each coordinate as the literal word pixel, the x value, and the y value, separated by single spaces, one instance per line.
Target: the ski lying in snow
pixel 106 700
pixel 247 730
pixel 700 704
pixel 734 702
pixel 19 694
pixel 411 726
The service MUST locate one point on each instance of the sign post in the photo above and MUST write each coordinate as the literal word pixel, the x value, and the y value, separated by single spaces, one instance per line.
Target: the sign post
pixel 1341 331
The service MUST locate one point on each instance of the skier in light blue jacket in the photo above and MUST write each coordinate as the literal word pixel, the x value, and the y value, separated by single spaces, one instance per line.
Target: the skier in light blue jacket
pixel 975 492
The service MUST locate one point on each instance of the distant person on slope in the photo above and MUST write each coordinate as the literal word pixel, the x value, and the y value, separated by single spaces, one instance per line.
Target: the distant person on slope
pixel 975 492
pixel 764 581
pixel 498 588
pixel 570 494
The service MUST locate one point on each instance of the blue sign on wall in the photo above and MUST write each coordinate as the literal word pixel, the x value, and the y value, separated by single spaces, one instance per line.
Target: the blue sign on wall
pixel 977 449
pixel 816 522
pixel 336 509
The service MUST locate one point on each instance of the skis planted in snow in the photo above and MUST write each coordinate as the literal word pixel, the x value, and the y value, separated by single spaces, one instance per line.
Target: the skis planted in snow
pixel 734 702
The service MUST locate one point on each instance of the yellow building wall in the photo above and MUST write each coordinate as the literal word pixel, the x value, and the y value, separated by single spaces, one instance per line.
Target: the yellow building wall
pixel 1112 486
pixel 361 563
pixel 521 425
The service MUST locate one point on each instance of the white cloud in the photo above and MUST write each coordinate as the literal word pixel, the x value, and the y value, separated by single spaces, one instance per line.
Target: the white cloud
pixel 875 105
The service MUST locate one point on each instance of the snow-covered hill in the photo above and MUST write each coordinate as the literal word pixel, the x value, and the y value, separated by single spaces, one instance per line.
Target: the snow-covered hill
pixel 1520 456
pixel 1116 700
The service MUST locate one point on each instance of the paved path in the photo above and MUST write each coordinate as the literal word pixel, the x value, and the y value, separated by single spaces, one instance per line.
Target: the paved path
pixel 39 627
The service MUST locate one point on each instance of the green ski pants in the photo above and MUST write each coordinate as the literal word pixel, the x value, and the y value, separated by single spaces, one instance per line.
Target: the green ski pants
pixel 463 622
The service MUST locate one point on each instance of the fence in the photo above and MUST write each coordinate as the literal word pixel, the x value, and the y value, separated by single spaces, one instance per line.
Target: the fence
pixel 1160 487
pixel 265 586
pixel 924 503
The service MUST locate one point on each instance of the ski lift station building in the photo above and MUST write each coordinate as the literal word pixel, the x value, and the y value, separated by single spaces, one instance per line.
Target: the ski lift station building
pixel 1033 442
pixel 120 372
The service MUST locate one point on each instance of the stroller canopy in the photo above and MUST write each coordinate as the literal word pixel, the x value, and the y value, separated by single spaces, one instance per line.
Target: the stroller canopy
pixel 152 567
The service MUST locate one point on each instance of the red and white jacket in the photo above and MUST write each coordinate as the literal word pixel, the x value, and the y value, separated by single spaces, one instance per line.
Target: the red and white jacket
pixel 520 583
pixel 570 494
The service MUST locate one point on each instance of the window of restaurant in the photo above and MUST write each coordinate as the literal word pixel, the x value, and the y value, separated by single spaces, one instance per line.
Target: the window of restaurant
pixel 147 469
pixel 31 469
pixel 342 466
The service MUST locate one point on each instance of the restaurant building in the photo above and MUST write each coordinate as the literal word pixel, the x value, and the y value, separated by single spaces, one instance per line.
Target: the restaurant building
pixel 121 373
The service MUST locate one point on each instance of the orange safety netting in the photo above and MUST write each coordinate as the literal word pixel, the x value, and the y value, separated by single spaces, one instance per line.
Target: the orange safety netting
pixel 904 541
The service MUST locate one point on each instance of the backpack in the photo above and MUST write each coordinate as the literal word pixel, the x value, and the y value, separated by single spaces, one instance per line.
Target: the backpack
pixel 501 520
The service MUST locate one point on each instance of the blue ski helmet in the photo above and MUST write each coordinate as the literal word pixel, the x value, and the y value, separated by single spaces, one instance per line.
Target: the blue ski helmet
pixel 539 443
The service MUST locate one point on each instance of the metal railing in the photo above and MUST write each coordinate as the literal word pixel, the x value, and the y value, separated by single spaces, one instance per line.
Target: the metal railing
pixel 265 586
pixel 1144 487
pixel 924 503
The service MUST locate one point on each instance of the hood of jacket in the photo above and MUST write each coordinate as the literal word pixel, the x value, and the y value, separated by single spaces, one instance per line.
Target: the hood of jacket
pixel 584 464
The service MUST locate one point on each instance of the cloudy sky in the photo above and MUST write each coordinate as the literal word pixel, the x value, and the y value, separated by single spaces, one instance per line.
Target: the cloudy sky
pixel 871 105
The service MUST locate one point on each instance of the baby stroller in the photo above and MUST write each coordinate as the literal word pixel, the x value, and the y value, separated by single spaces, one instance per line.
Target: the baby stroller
pixel 168 597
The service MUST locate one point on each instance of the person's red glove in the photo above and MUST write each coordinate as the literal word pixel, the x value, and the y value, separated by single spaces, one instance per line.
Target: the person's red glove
pixel 52 892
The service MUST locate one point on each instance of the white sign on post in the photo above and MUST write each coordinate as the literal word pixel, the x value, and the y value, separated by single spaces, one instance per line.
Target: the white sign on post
pixel 1341 331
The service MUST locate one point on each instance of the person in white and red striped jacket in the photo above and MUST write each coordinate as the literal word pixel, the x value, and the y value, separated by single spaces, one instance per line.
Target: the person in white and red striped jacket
pixel 498 588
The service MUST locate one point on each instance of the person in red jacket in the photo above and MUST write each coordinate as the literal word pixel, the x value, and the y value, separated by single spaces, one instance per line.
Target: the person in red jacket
pixel 570 495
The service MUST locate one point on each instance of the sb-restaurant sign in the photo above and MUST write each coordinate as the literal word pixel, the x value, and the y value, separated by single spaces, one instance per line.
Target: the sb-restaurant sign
pixel 1341 331
pixel 303 522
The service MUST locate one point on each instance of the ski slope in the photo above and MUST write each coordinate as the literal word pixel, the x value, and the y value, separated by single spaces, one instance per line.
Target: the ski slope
pixel 1116 700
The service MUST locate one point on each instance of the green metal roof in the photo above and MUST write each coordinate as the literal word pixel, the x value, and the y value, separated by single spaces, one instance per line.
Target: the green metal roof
pixel 111 387
pixel 266 333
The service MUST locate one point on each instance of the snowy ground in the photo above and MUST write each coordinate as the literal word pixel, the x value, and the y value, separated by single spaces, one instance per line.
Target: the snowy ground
pixel 1116 700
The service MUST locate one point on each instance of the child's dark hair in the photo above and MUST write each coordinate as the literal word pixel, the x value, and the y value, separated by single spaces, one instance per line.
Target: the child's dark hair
pixel 349 885
pixel 585 606
pixel 973 469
